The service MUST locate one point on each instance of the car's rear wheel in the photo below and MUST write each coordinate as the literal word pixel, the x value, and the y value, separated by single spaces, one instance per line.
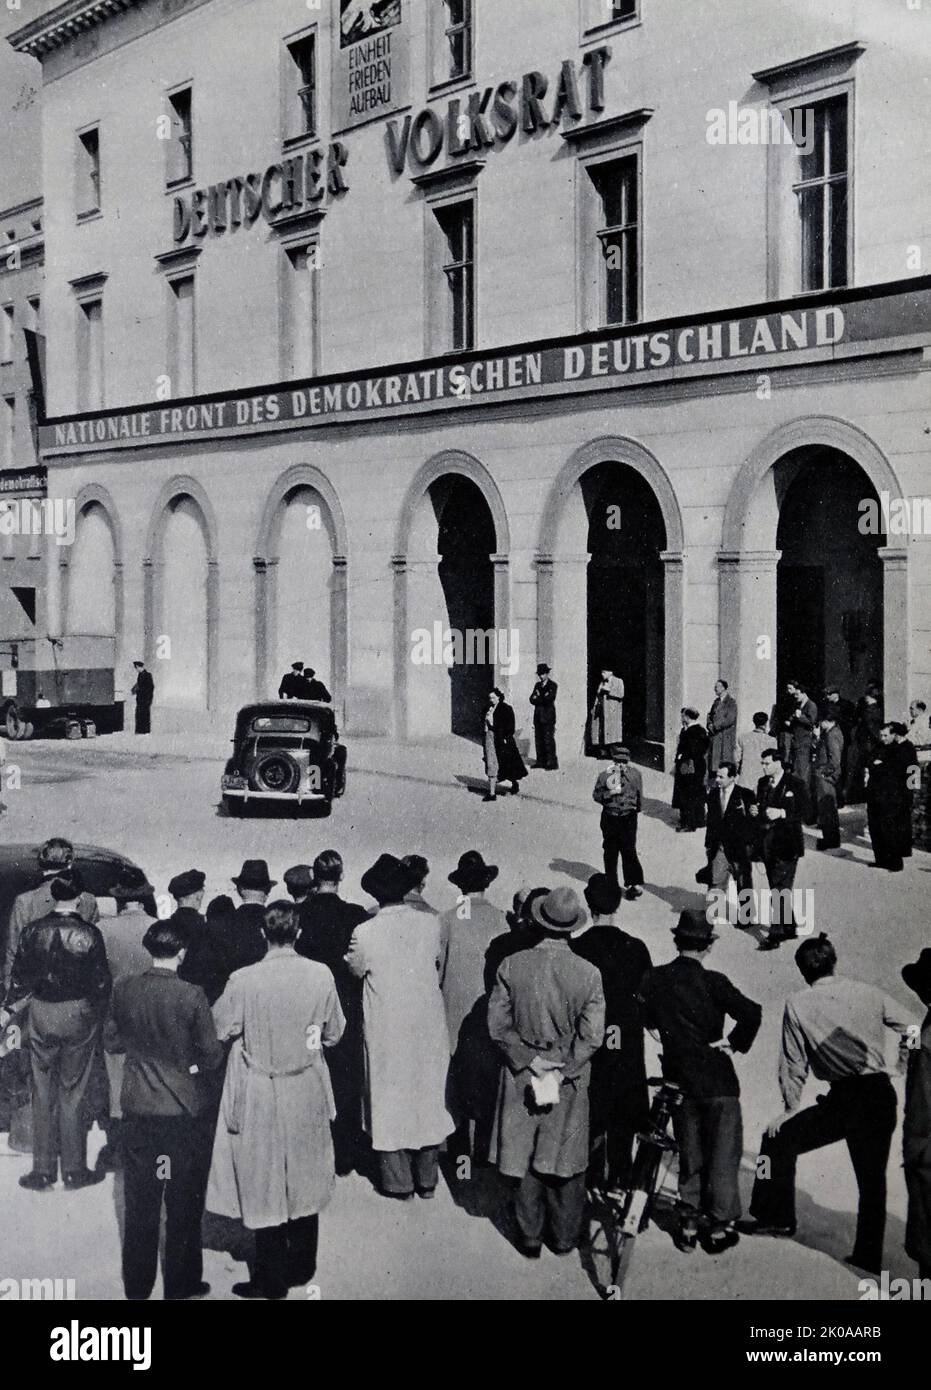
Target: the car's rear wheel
pixel 275 772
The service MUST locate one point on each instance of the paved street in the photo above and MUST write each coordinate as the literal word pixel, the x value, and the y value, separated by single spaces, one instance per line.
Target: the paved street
pixel 160 809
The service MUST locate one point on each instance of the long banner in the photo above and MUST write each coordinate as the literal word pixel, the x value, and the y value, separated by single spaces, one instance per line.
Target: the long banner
pixel 644 354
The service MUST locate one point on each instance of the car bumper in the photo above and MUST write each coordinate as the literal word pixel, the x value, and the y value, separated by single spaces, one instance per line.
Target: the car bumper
pixel 245 794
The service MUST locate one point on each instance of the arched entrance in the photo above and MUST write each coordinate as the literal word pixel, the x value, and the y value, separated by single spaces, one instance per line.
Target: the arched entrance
pixel 301 595
pixel 609 593
pixel 829 577
pixel 181 583
pixel 452 638
pixel 803 590
pixel 92 599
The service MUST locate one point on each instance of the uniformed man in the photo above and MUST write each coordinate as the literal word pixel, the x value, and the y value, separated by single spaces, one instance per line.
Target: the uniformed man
pixel 292 683
pixel 144 691
pixel 312 689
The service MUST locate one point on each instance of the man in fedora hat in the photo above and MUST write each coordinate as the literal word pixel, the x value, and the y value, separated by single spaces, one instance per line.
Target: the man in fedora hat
pixel 836 1029
pixel 126 955
pixel 292 683
pixel 916 1131
pixel 543 699
pixel 466 932
pixel 546 1014
pixel 688 1004
pixel 619 792
pixel 396 954
pixel 241 938
pixel 327 922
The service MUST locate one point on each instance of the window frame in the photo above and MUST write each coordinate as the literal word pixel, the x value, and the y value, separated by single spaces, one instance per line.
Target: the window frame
pixel 8 333
pixel 592 284
pixel 308 243
pixel 87 214
pixel 9 434
pixel 174 182
pixel 292 89
pixel 89 290
pixel 440 318
pixel 784 229
pixel 590 32
pixel 173 280
pixel 439 29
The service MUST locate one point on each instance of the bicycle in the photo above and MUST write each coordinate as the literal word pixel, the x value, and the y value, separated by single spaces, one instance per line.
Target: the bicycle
pixel 627 1213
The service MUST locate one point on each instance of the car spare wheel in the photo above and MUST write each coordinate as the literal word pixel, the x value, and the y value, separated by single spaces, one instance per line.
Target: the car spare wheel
pixel 275 772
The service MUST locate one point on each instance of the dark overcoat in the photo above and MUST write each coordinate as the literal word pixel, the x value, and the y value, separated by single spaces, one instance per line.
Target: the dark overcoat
pixel 916 1148
pixel 511 766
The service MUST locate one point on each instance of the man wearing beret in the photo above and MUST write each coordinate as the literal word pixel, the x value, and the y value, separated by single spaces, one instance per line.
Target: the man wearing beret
pixel 688 1005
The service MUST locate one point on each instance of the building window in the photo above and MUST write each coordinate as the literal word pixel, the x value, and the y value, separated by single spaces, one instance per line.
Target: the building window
pixel 299 310
pixel 88 172
pixel 181 339
pixel 35 313
pixel 90 354
pixel 457 266
pixel 181 147
pixel 6 431
pixel 453 45
pixel 598 14
pixel 618 236
pixel 821 189
pixel 301 88
pixel 6 333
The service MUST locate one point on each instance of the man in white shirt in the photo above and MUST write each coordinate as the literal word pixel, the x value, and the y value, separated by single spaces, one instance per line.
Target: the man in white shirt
pixel 837 1029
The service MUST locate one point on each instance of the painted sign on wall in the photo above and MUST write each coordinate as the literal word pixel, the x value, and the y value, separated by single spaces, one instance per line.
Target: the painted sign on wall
pixel 371 61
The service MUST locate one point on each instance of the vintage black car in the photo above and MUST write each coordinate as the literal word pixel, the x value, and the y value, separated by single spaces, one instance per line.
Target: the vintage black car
pixel 285 751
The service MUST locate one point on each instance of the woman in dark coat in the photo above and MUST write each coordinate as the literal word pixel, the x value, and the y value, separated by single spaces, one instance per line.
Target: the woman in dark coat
pixel 503 763
pixel 688 788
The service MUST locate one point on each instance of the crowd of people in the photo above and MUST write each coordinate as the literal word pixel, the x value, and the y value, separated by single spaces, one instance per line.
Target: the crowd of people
pixel 258 1049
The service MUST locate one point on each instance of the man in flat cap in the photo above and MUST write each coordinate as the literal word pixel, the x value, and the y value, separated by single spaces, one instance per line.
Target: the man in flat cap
pixel 688 1005
pixel 619 792
pixel 543 699
pixel 292 683
pixel 313 689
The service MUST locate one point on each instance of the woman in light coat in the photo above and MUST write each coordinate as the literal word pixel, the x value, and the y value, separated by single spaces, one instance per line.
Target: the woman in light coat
pixel 396 954
pixel 606 720
pixel 273 1166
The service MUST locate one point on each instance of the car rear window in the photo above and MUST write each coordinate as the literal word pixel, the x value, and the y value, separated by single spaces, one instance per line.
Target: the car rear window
pixel 284 724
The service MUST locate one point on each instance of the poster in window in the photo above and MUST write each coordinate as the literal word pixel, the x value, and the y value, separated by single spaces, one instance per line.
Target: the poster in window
pixel 371 67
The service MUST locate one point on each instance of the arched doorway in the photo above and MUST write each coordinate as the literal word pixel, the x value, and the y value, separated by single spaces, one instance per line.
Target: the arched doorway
pixel 452 637
pixel 301 590
pixel 800 583
pixel 829 577
pixel 304 579
pixel 625 617
pixel 182 666
pixel 610 593
pixel 92 589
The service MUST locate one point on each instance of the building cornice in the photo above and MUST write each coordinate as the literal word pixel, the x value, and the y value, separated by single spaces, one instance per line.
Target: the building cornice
pixel 64 23
pixel 798 68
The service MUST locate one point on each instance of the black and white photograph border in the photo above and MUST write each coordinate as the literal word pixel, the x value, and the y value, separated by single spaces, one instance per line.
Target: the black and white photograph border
pixel 465 640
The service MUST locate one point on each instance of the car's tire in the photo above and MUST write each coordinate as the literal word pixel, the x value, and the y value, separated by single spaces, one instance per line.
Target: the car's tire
pixel 275 772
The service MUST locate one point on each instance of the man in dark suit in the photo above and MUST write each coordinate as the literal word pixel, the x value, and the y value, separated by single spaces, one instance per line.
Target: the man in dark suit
pixel 292 683
pixel 827 774
pixel 889 801
pixel 165 1027
pixel 543 699
pixel 240 937
pixel 144 691
pixel 729 831
pixel 801 725
pixel 327 922
pixel 312 689
pixel 780 811
pixel 203 962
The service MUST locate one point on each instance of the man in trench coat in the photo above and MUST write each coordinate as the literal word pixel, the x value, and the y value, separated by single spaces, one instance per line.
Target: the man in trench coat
pixel 722 729
pixel 547 1015
pixel 397 955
